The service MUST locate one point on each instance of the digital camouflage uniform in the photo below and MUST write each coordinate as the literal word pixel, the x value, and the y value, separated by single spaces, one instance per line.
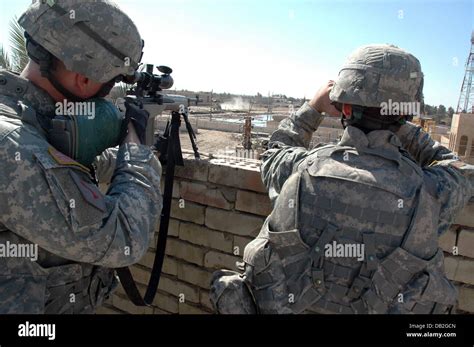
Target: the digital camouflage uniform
pixel 49 200
pixel 395 193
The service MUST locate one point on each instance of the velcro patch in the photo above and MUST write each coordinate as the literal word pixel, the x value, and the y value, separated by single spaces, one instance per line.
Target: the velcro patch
pixel 89 192
pixel 63 159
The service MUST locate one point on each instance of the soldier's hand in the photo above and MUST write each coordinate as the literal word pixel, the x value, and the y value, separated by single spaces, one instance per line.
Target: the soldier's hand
pixel 132 136
pixel 321 101
pixel 138 117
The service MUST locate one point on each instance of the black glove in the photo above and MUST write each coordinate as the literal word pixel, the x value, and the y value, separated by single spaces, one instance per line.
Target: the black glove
pixel 139 118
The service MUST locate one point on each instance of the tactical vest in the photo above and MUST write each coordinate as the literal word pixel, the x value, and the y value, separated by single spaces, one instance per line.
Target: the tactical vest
pixel 347 197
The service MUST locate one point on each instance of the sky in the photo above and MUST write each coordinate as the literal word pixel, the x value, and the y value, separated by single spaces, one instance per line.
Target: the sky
pixel 292 47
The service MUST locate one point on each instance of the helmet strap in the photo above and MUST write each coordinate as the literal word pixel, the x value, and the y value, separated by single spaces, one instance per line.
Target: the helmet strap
pixel 60 88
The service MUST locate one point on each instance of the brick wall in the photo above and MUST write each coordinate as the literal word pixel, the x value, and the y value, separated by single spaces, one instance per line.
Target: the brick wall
pixel 458 244
pixel 218 207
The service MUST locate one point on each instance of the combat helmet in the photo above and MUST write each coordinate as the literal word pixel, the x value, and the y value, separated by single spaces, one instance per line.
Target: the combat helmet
pixel 378 74
pixel 91 37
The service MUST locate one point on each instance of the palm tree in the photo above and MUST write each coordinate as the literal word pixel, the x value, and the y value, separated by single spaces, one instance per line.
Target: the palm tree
pixel 18 57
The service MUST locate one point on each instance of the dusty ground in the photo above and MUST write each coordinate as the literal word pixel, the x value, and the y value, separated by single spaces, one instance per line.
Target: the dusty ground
pixel 211 141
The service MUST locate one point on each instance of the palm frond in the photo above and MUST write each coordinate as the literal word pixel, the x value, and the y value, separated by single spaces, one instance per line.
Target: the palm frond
pixel 18 46
pixel 4 59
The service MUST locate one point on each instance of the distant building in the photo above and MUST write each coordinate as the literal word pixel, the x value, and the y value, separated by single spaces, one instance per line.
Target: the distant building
pixel 280 100
pixel 461 137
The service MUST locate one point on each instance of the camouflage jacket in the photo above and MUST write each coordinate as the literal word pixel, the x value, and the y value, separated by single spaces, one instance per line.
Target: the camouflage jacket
pixel 386 195
pixel 49 203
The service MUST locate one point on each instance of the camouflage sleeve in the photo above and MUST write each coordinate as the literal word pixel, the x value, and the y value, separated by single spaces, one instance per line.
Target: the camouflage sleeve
pixel 421 146
pixel 288 146
pixel 105 165
pixel 55 205
pixel 452 181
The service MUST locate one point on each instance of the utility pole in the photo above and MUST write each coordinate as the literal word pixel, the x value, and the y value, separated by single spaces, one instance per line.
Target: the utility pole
pixel 212 102
pixel 466 97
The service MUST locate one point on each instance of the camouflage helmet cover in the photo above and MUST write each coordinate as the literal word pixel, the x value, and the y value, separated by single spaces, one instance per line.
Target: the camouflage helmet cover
pixel 91 37
pixel 375 74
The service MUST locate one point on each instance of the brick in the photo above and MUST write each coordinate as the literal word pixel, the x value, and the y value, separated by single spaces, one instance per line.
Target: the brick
pixel 170 266
pixel 173 227
pixel 465 271
pixel 157 310
pixel 205 237
pixel 194 275
pixel 240 242
pixel 215 260
pixel 108 302
pixel 450 266
pixel 229 193
pixel 466 216
pixel 185 251
pixel 448 240
pixel 466 299
pixel 147 260
pixel 166 302
pixel 140 275
pixel 193 170
pixel 175 194
pixel 169 285
pixel 466 243
pixel 233 222
pixel 108 310
pixel 189 309
pixel 152 247
pixel 190 211
pixel 222 172
pixel 253 203
pixel 120 291
pixel 205 300
pixel 176 288
pixel 126 305
pixel 205 195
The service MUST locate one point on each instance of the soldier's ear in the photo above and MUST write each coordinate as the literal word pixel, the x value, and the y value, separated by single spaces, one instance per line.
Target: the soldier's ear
pixel 85 87
pixel 347 110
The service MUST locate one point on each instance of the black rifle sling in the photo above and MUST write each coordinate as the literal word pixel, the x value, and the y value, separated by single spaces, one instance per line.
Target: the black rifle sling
pixel 174 157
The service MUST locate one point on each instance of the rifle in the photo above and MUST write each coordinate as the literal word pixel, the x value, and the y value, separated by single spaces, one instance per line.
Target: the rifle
pixel 148 94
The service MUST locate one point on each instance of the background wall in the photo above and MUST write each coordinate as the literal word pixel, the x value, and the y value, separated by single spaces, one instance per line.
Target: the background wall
pixel 218 207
